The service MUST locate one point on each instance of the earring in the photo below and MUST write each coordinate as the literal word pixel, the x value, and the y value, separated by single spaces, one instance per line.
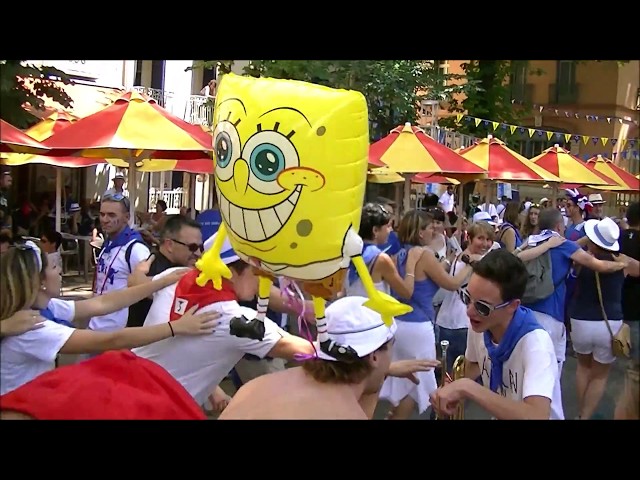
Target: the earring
pixel 44 289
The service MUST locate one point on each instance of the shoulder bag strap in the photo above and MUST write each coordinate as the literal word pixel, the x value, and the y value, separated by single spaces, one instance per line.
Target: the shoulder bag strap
pixel 604 314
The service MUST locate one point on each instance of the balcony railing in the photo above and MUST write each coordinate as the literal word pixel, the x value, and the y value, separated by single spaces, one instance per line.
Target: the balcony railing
pixel 173 198
pixel 196 109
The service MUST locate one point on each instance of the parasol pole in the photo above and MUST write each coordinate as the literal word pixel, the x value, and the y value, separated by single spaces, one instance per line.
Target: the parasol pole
pixel 132 186
pixel 407 192
pixel 58 199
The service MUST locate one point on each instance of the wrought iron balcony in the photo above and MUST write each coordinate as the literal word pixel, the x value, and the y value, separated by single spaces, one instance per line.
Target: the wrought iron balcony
pixel 196 109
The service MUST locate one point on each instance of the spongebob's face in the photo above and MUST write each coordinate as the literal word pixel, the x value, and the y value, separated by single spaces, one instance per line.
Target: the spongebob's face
pixel 291 161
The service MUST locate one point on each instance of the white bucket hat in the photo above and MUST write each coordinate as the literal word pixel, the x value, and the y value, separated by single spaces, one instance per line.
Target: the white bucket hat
pixel 483 217
pixel 604 233
pixel 596 198
pixel 352 324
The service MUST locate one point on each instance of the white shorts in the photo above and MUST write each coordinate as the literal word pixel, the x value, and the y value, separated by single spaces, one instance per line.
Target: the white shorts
pixel 593 337
pixel 413 341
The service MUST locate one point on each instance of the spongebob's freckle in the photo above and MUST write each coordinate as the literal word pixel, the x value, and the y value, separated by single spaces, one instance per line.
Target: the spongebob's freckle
pixel 293 245
pixel 321 131
pixel 304 228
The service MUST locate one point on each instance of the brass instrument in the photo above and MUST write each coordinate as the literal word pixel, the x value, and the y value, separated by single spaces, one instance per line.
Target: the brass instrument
pixel 457 374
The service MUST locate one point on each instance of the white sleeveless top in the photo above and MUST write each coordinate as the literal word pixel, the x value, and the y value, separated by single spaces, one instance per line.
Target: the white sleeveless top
pixel 356 289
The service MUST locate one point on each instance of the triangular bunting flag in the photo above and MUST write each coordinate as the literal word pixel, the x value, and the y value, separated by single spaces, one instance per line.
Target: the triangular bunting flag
pixel 594 140
pixel 477 121
pixel 623 143
pixel 567 137
pixel 531 132
pixel 608 119
pixel 495 125
pixel 549 135
pixel 458 117
pixel 585 139
pixel 604 140
pixel 512 128
pixel 614 141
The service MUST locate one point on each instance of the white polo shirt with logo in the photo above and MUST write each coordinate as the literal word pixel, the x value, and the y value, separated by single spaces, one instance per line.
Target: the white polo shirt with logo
pixel 201 362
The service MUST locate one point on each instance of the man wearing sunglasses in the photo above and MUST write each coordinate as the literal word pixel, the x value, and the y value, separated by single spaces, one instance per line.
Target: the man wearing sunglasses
pixel 506 347
pixel 180 246
pixel 123 249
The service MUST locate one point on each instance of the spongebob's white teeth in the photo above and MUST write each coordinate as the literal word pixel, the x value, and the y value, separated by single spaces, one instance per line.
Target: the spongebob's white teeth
pixel 258 225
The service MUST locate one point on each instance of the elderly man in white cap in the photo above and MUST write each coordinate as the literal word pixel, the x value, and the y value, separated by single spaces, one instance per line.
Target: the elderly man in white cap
pixel 118 186
pixel 325 388
pixel 597 210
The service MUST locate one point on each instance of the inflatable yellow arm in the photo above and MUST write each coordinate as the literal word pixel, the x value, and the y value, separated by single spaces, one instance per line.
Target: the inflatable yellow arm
pixel 211 265
pixel 387 306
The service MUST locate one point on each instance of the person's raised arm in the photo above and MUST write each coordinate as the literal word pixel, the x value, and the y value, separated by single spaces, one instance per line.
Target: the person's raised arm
pixel 119 299
pixel 90 341
pixel 527 254
pixel 438 274
pixel 387 268
pixel 601 266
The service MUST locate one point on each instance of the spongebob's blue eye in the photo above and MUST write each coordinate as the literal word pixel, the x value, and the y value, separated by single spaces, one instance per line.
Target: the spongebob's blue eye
pixel 223 149
pixel 267 161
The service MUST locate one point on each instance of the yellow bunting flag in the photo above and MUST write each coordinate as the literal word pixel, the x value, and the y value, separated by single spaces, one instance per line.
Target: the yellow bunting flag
pixel 477 121
pixel 623 143
pixel 531 132
pixel 604 140
pixel 495 125
pixel 567 137
pixel 585 139
pixel 549 135
pixel 512 128
pixel 458 117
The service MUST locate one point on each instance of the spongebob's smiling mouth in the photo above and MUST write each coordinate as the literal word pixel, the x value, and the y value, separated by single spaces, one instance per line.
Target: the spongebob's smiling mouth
pixel 258 225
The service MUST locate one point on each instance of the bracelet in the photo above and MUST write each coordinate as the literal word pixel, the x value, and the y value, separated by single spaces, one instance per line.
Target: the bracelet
pixel 171 327
pixel 411 275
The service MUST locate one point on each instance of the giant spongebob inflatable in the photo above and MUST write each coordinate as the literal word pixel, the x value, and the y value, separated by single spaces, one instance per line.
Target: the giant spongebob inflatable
pixel 290 173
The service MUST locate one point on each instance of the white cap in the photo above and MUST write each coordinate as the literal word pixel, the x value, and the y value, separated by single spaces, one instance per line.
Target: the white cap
pixel 483 217
pixel 352 324
pixel 74 207
pixel 545 199
pixel 227 254
pixel 604 233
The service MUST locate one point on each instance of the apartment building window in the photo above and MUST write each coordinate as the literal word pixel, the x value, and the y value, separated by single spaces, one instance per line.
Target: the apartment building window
pixel 518 82
pixel 565 90
pixel 138 80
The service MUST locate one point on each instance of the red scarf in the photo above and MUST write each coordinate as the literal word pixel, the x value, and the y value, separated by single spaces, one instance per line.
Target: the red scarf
pixel 189 293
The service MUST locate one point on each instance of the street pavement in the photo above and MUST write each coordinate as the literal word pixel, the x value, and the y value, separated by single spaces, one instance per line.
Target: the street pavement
pixel 76 288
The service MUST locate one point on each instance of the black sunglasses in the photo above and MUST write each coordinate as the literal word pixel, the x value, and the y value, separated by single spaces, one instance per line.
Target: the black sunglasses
pixel 193 247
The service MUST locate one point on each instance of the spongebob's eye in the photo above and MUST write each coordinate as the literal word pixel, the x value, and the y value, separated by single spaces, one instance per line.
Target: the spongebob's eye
pixel 226 148
pixel 269 153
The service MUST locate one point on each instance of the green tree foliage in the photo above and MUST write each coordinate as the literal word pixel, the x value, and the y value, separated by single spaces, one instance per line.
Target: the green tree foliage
pixel 21 83
pixel 393 88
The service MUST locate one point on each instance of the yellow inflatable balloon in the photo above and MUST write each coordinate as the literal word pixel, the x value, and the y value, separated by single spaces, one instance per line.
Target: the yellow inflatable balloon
pixel 290 173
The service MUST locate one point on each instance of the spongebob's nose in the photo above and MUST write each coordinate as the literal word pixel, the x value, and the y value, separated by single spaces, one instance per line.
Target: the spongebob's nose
pixel 291 177
pixel 241 175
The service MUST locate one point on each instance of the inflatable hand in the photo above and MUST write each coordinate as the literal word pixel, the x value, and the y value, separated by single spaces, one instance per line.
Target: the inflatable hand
pixel 387 306
pixel 212 268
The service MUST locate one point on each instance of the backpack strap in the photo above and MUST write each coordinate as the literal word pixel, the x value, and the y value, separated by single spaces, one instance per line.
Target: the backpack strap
pixel 127 253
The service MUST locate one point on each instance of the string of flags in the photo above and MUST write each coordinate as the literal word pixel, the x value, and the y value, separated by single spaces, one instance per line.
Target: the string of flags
pixel 590 117
pixel 627 146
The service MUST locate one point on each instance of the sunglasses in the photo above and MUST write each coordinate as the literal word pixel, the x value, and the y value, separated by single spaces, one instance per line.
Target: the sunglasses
pixel 193 247
pixel 484 309
pixel 118 197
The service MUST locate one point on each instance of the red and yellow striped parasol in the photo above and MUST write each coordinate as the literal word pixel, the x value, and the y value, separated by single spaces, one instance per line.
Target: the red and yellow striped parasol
pixel 383 175
pixel 135 128
pixel 50 125
pixel 408 149
pixel 12 139
pixel 503 164
pixel 568 168
pixel 624 180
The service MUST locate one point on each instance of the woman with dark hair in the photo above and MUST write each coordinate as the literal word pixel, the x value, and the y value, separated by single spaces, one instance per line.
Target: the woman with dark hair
pixel 375 226
pixel 508 235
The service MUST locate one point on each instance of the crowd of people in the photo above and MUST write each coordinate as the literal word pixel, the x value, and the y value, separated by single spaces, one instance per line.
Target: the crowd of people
pixel 505 287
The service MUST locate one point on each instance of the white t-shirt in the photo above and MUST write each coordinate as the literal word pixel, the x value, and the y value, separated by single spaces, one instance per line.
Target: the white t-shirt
pixel 200 363
pixel 26 356
pixel 453 313
pixel 531 370
pixel 447 200
pixel 492 211
pixel 115 260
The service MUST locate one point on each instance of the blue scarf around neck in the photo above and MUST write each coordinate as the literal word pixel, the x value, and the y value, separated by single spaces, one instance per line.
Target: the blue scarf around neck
pixel 48 314
pixel 522 323
pixel 124 237
pixel 369 253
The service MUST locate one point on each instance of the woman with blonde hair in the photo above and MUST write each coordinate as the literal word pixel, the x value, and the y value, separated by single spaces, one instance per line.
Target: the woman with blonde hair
pixel 30 282
pixel 415 337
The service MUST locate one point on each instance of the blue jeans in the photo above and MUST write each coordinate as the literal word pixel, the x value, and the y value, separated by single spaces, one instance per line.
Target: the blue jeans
pixel 457 343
